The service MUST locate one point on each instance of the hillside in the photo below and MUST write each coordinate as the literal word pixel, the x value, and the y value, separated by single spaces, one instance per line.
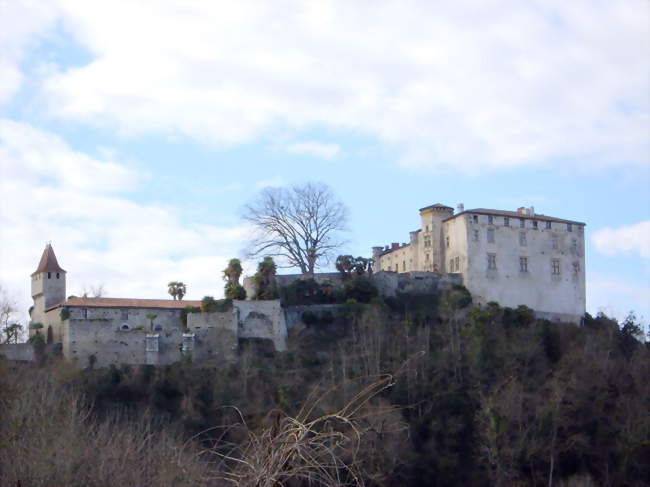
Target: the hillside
pixel 438 392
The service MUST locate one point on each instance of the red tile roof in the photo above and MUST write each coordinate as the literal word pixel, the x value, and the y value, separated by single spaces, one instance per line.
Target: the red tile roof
pixel 48 262
pixel 514 214
pixel 126 303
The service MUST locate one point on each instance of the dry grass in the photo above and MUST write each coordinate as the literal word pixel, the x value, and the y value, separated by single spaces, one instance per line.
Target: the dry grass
pixel 48 437
pixel 314 448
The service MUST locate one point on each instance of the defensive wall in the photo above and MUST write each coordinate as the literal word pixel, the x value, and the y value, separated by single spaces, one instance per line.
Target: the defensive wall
pixel 102 336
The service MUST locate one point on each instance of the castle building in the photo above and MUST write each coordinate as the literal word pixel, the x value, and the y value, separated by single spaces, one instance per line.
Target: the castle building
pixel 510 257
pixel 118 331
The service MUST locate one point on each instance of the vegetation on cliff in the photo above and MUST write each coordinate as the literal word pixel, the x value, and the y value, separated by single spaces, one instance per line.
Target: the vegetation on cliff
pixel 407 391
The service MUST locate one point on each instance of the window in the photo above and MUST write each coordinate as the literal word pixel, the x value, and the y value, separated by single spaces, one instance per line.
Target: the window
pixel 475 235
pixel 403 265
pixel 522 239
pixel 427 240
pixel 548 225
pixel 187 344
pixel 124 314
pixel 426 257
pixel 555 242
pixel 492 261
pixel 151 343
pixel 535 224
pixel 475 218
pixel 457 262
pixel 576 268
pixel 84 312
pixel 523 264
pixel 506 221
pixel 451 265
pixel 574 244
pixel 57 275
pixel 447 241
pixel 427 228
pixel 569 227
pixel 396 267
pixel 490 219
pixel 555 267
pixel 49 275
pixel 490 235
pixel 522 222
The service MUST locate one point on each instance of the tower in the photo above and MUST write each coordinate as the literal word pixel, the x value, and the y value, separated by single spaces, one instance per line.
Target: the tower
pixel 432 246
pixel 48 286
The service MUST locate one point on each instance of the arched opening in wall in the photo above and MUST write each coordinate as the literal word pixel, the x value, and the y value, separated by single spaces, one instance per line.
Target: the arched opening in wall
pixel 50 334
pixel 125 327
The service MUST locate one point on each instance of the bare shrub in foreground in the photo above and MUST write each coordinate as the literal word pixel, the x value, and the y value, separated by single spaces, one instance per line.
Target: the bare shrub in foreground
pixel 48 437
pixel 318 449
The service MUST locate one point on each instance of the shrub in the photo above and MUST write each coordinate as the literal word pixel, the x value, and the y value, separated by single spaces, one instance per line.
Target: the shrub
pixel 235 291
pixel 304 291
pixel 64 314
pixel 360 290
pixel 211 305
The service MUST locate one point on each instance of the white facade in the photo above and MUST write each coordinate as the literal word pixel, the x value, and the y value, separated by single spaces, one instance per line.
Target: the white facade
pixel 512 258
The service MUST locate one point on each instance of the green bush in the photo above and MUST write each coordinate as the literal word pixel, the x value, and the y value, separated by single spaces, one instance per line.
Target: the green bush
pixel 211 305
pixel 304 292
pixel 64 314
pixel 360 290
pixel 235 291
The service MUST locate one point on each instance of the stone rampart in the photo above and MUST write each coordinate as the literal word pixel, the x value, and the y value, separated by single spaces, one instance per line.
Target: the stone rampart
pixel 20 352
pixel 263 319
pixel 390 283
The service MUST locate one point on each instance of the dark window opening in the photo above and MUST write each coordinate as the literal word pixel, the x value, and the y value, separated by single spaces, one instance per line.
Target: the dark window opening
pixel 49 275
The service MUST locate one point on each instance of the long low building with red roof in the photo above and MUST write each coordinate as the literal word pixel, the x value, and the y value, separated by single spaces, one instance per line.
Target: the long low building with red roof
pixel 100 331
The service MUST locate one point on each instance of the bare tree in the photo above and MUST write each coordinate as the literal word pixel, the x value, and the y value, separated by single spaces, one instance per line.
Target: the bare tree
pixel 94 291
pixel 11 329
pixel 301 225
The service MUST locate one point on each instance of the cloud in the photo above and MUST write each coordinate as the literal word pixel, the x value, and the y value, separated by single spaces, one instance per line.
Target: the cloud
pixel 52 192
pixel 312 148
pixel 21 27
pixel 606 293
pixel 631 239
pixel 455 84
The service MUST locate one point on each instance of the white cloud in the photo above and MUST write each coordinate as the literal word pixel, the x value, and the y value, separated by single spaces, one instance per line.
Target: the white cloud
pixel 631 239
pixel 455 83
pixel 21 23
pixel 99 237
pixel 313 148
pixel 608 293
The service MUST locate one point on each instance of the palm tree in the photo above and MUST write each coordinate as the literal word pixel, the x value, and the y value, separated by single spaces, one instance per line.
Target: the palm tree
pixel 177 290
pixel 181 290
pixel 171 289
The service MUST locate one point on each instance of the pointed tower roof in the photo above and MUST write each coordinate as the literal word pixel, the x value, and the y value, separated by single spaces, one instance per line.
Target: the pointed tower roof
pixel 48 262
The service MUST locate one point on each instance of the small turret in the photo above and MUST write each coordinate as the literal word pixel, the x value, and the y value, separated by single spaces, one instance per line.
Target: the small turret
pixel 48 285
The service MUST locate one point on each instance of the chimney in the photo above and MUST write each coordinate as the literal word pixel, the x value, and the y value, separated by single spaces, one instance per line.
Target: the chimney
pixel 394 245
pixel 531 211
pixel 460 208
pixel 521 210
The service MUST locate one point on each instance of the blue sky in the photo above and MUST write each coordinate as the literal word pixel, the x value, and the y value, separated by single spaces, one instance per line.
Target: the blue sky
pixel 132 133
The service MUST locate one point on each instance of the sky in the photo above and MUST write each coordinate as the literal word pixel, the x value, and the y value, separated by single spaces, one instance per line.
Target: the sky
pixel 132 133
